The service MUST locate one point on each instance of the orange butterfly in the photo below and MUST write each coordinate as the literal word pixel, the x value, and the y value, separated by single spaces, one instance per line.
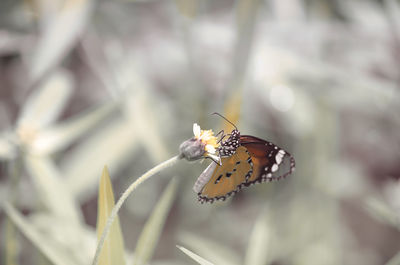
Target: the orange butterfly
pixel 245 160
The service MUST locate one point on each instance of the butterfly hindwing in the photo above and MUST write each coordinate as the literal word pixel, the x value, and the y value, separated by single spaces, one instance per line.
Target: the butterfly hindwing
pixel 204 177
pixel 267 159
pixel 227 179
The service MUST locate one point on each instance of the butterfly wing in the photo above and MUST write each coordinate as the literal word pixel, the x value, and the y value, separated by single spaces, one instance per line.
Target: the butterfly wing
pixel 219 182
pixel 204 177
pixel 267 159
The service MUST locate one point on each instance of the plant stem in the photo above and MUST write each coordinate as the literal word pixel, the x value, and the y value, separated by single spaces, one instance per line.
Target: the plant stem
pixel 124 196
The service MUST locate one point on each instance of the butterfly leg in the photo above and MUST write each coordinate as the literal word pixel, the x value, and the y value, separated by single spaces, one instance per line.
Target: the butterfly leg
pixel 222 137
pixel 216 161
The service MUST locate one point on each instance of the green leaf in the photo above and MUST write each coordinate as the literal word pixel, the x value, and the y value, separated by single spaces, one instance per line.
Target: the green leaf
pixel 194 256
pixel 46 103
pixel 113 249
pixel 152 230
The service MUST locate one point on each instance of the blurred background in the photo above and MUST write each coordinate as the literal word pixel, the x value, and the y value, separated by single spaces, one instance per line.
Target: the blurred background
pixel 85 84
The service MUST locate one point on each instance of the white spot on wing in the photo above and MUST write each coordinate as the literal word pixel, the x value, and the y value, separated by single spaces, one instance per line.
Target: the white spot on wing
pixel 278 159
pixel 279 156
pixel 274 167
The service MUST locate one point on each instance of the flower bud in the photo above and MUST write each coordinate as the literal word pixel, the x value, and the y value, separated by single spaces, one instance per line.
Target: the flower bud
pixel 192 149
pixel 203 145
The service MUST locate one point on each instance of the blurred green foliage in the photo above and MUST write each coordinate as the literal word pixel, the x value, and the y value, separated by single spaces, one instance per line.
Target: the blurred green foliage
pixel 87 83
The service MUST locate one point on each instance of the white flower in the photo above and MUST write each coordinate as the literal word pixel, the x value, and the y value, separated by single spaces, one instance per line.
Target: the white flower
pixel 196 130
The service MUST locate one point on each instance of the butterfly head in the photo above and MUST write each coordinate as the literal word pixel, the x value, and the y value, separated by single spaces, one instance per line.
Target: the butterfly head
pixel 229 146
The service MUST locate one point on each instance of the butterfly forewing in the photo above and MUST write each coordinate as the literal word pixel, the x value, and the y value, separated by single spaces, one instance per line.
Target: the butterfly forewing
pixel 226 179
pixel 267 159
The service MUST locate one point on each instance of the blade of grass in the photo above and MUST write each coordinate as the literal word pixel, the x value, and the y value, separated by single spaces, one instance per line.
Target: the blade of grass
pixel 54 195
pixel 167 163
pixel 113 250
pixel 59 136
pixel 246 14
pixel 11 243
pixel 11 238
pixel 194 256
pixel 45 104
pixel 7 150
pixel 151 232
pixel 382 212
pixel 54 254
pixel 257 249
pixel 82 177
pixel 148 127
pixel 232 109
pixel 215 252
pixel 187 8
pixel 59 36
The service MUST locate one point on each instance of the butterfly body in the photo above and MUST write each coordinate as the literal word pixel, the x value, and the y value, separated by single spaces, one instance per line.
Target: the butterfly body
pixel 229 146
pixel 245 160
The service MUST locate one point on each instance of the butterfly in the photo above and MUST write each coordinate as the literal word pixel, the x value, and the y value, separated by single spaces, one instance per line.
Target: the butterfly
pixel 245 160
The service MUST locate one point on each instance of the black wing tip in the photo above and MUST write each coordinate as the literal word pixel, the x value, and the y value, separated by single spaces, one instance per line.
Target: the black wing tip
pixel 291 169
pixel 264 178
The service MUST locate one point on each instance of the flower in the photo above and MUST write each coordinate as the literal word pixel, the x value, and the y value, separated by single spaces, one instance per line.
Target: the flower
pixel 204 144
pixel 207 137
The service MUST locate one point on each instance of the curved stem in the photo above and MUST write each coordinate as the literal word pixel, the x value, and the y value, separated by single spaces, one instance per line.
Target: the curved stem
pixel 124 196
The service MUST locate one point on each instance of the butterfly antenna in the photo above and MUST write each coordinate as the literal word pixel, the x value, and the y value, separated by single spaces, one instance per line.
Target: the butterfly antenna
pixel 224 119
